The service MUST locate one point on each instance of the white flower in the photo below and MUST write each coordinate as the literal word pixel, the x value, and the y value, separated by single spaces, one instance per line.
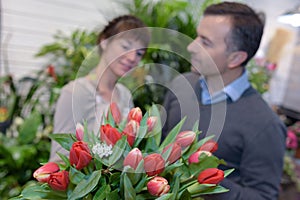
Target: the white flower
pixel 102 150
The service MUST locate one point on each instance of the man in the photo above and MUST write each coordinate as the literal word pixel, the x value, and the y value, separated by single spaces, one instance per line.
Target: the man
pixel 250 136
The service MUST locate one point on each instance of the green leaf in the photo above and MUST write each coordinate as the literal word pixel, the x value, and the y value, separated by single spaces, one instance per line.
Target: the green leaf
pixel 228 172
pixel 86 186
pixel 64 139
pixel 141 184
pixel 113 195
pixel 64 158
pixel 29 128
pixel 142 131
pixel 172 134
pixel 118 150
pixel 197 188
pixel 204 163
pixel 102 192
pixel 165 196
pixel 129 192
pixel 175 189
pixel 210 190
pixel 75 175
pixel 185 195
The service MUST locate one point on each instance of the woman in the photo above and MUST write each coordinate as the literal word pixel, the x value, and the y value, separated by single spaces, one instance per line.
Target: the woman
pixel 122 45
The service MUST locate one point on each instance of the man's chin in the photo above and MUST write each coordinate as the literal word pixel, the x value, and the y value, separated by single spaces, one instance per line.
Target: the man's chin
pixel 194 70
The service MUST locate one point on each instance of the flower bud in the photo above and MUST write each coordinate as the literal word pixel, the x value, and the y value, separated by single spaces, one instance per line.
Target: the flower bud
pixel 42 174
pixel 210 176
pixel 80 155
pixel 154 164
pixel 151 122
pixel 109 134
pixel 194 158
pixel 210 146
pixel 59 180
pixel 291 140
pixel 185 138
pixel 133 158
pixel 135 114
pixel 158 186
pixel 175 152
pixel 130 130
pixel 79 132
pixel 115 111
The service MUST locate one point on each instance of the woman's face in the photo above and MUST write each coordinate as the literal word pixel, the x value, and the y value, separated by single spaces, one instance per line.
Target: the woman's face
pixel 122 54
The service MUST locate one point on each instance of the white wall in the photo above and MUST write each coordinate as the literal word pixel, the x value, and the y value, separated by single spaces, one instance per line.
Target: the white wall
pixel 29 24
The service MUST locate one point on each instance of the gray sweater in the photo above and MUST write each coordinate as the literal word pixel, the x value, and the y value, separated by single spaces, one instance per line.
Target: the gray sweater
pixel 250 135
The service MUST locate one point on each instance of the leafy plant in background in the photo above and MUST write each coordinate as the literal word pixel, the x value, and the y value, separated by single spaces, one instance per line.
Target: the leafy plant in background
pixel 68 52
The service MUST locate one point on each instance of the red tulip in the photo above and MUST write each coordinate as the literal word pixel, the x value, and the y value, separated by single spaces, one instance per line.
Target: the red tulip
pixel 80 155
pixel 59 180
pixel 185 138
pixel 133 158
pixel 158 186
pixel 151 122
pixel 135 114
pixel 154 164
pixel 194 158
pixel 175 152
pixel 109 134
pixel 211 176
pixel 210 146
pixel 115 111
pixel 79 132
pixel 42 174
pixel 130 130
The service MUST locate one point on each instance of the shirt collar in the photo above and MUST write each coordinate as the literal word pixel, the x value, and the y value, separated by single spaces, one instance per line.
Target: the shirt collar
pixel 234 90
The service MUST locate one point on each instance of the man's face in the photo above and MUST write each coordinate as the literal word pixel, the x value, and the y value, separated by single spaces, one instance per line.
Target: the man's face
pixel 208 51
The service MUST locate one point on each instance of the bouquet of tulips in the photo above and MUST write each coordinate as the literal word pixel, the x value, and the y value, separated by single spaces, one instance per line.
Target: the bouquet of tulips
pixel 128 160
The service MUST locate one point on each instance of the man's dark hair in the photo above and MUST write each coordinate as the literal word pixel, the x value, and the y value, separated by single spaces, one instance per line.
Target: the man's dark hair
pixel 247 27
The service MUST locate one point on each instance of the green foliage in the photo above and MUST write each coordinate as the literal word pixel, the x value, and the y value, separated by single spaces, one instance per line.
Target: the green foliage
pixel 68 52
pixel 259 76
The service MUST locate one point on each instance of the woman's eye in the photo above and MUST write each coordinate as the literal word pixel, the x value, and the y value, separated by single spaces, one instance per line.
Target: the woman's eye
pixel 125 47
pixel 140 53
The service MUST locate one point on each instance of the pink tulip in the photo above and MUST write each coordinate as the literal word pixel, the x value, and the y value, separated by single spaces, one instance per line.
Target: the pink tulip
pixel 175 153
pixel 42 174
pixel 130 130
pixel 79 132
pixel 135 114
pixel 115 111
pixel 185 138
pixel 210 146
pixel 154 164
pixel 59 180
pixel 158 186
pixel 133 158
pixel 210 176
pixel 151 122
pixel 194 158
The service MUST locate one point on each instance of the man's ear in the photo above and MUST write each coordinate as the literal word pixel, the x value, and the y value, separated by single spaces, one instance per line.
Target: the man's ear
pixel 236 58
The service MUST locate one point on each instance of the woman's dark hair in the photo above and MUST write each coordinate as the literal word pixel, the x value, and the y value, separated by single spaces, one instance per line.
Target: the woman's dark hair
pixel 121 25
pixel 247 27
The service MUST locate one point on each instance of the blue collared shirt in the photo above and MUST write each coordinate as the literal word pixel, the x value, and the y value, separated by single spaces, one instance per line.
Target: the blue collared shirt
pixel 233 91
